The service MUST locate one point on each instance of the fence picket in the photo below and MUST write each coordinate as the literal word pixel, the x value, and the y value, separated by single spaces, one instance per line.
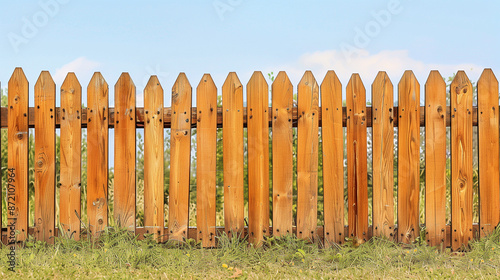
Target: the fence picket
pixel 206 159
pixel 233 147
pixel 97 150
pixel 357 159
pixel 45 158
pixel 488 136
pixel 383 156
pixel 258 158
pixel 71 143
pixel 333 158
pixel 180 159
pixel 307 157
pixel 408 158
pixel 124 182
pixel 18 136
pixel 154 217
pixel 461 160
pixel 282 146
pixel 435 159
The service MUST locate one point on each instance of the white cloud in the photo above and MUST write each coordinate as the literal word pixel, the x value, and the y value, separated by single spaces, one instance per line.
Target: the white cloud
pixel 82 67
pixel 394 62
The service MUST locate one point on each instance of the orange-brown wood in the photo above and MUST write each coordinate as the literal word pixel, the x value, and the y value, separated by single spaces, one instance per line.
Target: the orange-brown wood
pixel 180 159
pixel 154 213
pixel 206 159
pixel 124 182
pixel 97 154
pixel 232 140
pixel 71 163
pixel 258 158
pixel 383 156
pixel 408 158
pixel 489 191
pixel 435 159
pixel 45 158
pixel 307 157
pixel 357 176
pixel 333 158
pixel 17 166
pixel 461 161
pixel 282 145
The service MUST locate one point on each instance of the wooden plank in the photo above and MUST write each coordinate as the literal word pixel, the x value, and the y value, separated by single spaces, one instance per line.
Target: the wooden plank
pixel 408 158
pixel 333 158
pixel 71 161
pixel 461 161
pixel 154 213
pixel 180 159
pixel 124 184
pixel 383 156
pixel 357 173
pixel 17 167
pixel 167 116
pixel 45 158
pixel 282 145
pixel 307 156
pixel 258 158
pixel 206 159
pixel 97 151
pixel 435 159
pixel 489 169
pixel 232 141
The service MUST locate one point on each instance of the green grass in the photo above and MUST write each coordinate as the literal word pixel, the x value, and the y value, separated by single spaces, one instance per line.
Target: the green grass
pixel 120 255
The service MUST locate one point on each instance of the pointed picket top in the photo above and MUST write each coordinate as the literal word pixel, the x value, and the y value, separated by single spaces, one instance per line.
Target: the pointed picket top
pixel 331 79
pixel 257 77
pixel 460 84
pixel 18 77
pixel 282 82
pixel 182 80
pixel 44 80
pixel 97 82
pixel 308 80
pixel 435 78
pixel 355 83
pixel 382 78
pixel 71 81
pixel 206 81
pixel 233 82
pixel 487 77
pixel 125 79
pixel 153 84
pixel 409 77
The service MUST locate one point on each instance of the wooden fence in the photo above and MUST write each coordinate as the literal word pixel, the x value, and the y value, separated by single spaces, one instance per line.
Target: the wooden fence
pixel 307 116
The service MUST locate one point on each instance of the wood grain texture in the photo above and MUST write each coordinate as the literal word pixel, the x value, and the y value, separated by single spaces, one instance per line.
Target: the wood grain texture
pixel 435 159
pixel 282 145
pixel 124 182
pixel 489 169
pixel 232 141
pixel 18 135
pixel 154 213
pixel 461 161
pixel 97 151
pixel 383 156
pixel 45 158
pixel 180 159
pixel 71 161
pixel 206 160
pixel 258 158
pixel 357 177
pixel 333 158
pixel 408 158
pixel 307 157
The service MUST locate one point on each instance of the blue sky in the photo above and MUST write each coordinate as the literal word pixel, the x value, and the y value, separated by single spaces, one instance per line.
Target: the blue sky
pixel 219 36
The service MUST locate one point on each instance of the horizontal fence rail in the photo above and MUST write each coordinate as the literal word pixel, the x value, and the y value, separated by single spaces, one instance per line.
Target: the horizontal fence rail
pixel 270 138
